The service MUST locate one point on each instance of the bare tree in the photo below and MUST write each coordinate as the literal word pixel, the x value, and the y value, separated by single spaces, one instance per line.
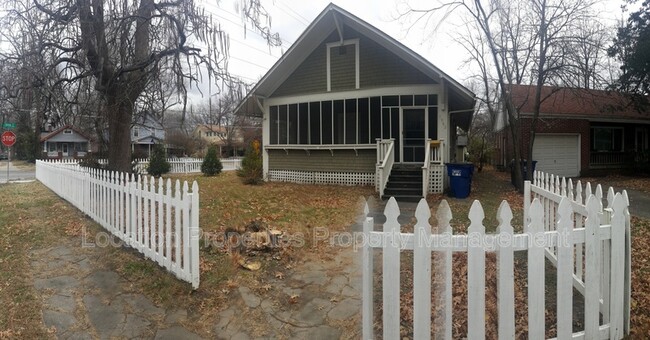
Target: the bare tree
pixel 124 45
pixel 517 42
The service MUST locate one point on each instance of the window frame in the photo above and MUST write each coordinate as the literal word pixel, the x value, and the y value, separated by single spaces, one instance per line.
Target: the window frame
pixel 347 42
pixel 611 129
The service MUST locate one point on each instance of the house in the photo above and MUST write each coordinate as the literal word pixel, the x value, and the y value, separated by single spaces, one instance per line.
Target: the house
pixel 579 131
pixel 347 104
pixel 229 139
pixel 146 131
pixel 64 142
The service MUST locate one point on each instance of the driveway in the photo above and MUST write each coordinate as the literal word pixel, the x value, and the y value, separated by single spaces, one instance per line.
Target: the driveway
pixel 639 203
pixel 16 173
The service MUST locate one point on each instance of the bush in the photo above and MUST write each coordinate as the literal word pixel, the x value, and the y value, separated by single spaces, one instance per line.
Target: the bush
pixel 252 169
pixel 91 161
pixel 211 164
pixel 158 164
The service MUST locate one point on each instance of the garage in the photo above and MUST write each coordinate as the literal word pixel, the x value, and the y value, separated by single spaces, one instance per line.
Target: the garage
pixel 557 154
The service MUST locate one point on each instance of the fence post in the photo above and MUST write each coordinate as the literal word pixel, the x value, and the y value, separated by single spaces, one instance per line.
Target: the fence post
pixel 391 265
pixel 476 273
pixel 505 270
pixel 422 273
pixel 194 236
pixel 527 199
pixel 367 309
pixel 443 323
pixel 617 273
pixel 536 272
pixel 592 269
pixel 564 270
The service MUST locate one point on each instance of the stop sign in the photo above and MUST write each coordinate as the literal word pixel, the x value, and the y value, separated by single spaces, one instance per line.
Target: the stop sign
pixel 8 138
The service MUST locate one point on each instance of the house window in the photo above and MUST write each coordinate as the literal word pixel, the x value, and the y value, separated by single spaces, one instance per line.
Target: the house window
pixel 136 132
pixel 344 121
pixel 607 139
pixel 343 65
pixel 67 131
pixel 51 147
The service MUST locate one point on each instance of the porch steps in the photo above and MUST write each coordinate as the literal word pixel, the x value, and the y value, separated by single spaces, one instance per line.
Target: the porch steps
pixel 404 183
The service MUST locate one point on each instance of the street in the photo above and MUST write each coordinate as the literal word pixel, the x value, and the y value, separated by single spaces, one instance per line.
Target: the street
pixel 16 173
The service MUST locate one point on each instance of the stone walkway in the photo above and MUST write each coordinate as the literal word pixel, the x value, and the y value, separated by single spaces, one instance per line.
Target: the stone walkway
pixel 82 302
pixel 319 298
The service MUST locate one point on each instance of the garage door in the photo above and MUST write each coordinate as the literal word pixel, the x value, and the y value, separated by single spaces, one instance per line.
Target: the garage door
pixel 557 154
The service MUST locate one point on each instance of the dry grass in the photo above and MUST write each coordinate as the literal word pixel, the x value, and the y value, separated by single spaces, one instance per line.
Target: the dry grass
pixel 31 217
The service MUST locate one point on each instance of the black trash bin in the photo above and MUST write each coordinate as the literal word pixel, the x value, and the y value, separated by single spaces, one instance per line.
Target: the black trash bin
pixel 524 167
pixel 460 179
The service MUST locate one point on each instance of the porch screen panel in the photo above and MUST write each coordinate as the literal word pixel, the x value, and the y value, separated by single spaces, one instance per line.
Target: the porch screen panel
pixel 385 123
pixel 375 119
pixel 394 130
pixel 433 122
pixel 293 124
pixel 421 100
pixel 339 122
pixel 314 122
pixel 303 123
pixel 351 121
pixel 364 121
pixel 326 112
pixel 282 126
pixel 406 100
pixel 274 125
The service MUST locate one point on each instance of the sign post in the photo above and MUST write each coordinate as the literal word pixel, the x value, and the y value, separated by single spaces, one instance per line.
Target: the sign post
pixel 8 139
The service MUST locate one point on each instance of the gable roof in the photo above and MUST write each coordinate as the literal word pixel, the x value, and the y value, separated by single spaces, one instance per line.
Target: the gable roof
pixel 573 102
pixel 49 135
pixel 326 23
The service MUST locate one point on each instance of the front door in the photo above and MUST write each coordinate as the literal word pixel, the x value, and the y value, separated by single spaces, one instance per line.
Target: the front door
pixel 64 149
pixel 413 135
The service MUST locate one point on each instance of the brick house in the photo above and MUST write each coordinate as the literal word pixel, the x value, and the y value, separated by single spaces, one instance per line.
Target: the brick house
pixel 579 131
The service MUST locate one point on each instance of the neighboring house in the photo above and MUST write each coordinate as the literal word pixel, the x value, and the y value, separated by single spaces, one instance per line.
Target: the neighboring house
pixel 345 91
pixel 229 139
pixel 146 131
pixel 578 132
pixel 65 142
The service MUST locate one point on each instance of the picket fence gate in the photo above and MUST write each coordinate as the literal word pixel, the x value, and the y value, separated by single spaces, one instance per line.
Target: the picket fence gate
pixel 556 226
pixel 157 218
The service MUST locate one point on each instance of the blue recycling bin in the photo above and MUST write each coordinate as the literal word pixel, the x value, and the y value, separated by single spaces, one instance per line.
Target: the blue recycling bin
pixel 460 179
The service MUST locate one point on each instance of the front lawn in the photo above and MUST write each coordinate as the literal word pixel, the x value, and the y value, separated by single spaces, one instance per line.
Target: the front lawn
pixel 32 217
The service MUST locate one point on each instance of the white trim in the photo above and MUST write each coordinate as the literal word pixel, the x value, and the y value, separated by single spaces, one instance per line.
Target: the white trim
pixel 347 42
pixel 383 91
pixel 319 147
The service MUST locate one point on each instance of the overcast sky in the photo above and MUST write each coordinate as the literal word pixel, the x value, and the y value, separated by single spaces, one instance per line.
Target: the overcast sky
pixel 251 58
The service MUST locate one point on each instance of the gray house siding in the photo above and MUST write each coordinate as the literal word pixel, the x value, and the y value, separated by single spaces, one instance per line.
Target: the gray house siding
pixel 378 67
pixel 309 77
pixel 323 160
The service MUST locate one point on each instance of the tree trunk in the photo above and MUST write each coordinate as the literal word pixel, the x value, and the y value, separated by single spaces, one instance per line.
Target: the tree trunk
pixel 120 113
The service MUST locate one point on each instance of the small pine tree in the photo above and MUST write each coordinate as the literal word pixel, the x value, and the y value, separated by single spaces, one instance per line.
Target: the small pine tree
pixel 158 164
pixel 251 166
pixel 211 164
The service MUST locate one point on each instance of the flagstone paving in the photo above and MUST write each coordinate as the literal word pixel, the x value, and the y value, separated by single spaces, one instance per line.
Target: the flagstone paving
pixel 320 299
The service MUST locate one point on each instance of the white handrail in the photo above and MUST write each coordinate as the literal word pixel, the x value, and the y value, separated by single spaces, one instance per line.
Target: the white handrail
pixel 425 168
pixel 433 154
pixel 385 161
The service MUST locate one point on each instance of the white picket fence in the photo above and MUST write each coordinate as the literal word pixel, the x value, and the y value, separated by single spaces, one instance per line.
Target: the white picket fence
pixel 157 218
pixel 551 228
pixel 188 165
